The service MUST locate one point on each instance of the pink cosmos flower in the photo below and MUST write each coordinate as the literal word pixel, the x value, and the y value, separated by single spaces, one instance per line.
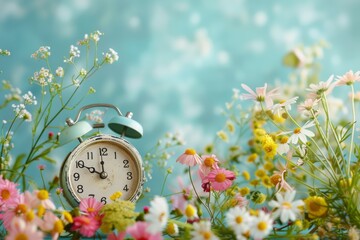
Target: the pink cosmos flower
pixel 90 206
pixel 308 105
pixel 8 193
pixel 17 209
pixel 19 229
pixel 87 226
pixel 139 232
pixel 209 163
pixel 348 78
pixel 189 157
pixel 220 179
pixel 113 236
pixel 260 95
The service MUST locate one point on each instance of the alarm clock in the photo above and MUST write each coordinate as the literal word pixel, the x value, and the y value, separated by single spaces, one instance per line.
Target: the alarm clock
pixel 102 164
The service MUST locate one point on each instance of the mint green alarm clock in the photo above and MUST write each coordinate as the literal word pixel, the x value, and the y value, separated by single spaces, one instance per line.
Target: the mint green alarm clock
pixel 102 164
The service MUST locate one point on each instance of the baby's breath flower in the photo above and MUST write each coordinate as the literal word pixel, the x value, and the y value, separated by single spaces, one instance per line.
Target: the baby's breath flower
pixel 83 72
pixel 29 98
pixel 43 77
pixel 76 82
pixel 73 53
pixel 91 90
pixel 42 53
pixel 4 52
pixel 96 35
pixel 59 72
pixel 111 56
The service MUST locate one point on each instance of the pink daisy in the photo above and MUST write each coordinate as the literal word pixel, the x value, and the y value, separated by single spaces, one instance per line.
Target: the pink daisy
pixel 87 226
pixel 18 209
pixel 209 163
pixel 260 95
pixel 348 78
pixel 189 157
pixel 220 179
pixel 316 90
pixel 139 232
pixel 52 224
pixel 19 229
pixel 90 206
pixel 8 193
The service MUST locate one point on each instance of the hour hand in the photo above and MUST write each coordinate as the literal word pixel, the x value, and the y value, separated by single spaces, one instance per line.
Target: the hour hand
pixel 92 170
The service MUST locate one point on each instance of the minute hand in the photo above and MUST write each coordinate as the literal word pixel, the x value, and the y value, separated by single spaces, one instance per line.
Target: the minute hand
pixel 103 174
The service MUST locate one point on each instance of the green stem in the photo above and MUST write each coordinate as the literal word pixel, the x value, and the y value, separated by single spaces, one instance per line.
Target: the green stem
pixel 163 185
pixel 352 131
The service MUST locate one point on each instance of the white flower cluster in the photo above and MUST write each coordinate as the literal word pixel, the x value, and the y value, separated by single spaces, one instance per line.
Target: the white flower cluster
pixel 74 52
pixel 59 72
pixel 42 53
pixel 96 116
pixel 95 36
pixel 29 98
pixel 21 112
pixel 43 77
pixel 4 52
pixel 111 56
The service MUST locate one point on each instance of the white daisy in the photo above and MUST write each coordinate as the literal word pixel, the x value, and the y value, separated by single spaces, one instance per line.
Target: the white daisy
pixel 301 133
pixel 277 108
pixel 260 95
pixel 202 231
pixel 158 215
pixel 261 225
pixel 239 220
pixel 286 207
pixel 322 87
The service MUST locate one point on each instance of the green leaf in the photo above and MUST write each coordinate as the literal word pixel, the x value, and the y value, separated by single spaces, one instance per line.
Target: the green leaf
pixel 17 165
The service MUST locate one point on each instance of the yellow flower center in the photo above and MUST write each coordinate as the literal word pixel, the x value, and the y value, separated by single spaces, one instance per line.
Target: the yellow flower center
pixel 58 226
pixel 209 162
pixel 30 216
pixel 284 139
pixel 43 195
pixel 262 226
pixel 238 219
pixel 314 206
pixel 5 194
pixel 21 236
pixel 20 209
pixel 68 217
pixel 275 179
pixel 268 148
pixel 41 211
pixel 221 177
pixel 286 205
pixel 90 210
pixel 207 235
pixel 190 151
pixel 297 130
pixel 170 229
pixel 190 211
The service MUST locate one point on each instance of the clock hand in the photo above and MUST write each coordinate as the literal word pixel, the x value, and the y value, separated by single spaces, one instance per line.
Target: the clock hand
pixel 92 170
pixel 103 174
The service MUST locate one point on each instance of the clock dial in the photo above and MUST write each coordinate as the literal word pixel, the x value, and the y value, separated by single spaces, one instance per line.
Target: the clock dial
pixel 101 166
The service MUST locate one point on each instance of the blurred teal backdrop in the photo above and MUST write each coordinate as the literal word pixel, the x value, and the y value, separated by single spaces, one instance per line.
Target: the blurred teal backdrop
pixel 179 60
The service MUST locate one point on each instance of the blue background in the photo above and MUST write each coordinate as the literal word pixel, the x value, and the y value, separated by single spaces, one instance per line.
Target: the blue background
pixel 179 60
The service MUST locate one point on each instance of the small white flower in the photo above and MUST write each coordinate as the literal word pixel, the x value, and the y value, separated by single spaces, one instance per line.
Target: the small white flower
pixel 29 98
pixel 83 72
pixel 59 72
pixel 76 82
pixel 239 220
pixel 301 133
pixel 277 108
pixel 202 231
pixel 96 36
pixel 261 225
pixel 74 52
pixel 42 53
pixel 286 207
pixel 158 215
pixel 111 56
pixel 308 105
pixel 260 95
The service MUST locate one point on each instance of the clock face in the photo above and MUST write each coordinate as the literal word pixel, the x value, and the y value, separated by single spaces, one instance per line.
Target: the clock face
pixel 101 166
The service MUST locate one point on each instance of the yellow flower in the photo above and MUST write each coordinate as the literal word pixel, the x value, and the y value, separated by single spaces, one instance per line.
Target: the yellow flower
pixel 244 191
pixel 252 157
pixel 116 195
pixel 268 165
pixel 278 118
pixel 172 229
pixel 246 175
pixel 266 181
pixel 269 147
pixel 230 126
pixel 316 206
pixel 260 173
pixel 119 215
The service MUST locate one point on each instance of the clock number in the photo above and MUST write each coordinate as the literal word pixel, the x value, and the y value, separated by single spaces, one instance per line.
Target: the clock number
pixel 90 155
pixel 129 175
pixel 103 200
pixel 126 163
pixel 103 151
pixel 92 195
pixel 126 188
pixel 80 164
pixel 80 189
pixel 76 176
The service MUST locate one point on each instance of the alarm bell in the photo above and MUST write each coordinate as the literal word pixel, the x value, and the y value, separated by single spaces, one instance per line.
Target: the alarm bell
pixel 122 125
